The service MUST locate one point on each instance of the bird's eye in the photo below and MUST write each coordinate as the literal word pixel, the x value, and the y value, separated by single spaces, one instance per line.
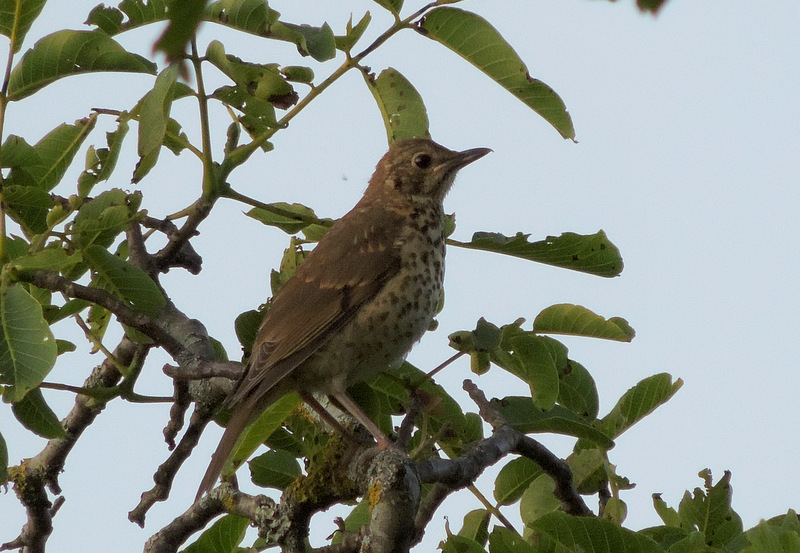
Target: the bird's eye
pixel 423 161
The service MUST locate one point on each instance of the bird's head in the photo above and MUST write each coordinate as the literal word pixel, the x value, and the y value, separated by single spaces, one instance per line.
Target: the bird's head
pixel 420 167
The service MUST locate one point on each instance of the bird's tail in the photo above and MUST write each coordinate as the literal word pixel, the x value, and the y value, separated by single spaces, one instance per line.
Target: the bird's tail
pixel 241 417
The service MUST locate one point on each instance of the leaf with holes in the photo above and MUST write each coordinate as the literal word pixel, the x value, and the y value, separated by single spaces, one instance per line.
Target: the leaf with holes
pixel 593 254
pixel 402 108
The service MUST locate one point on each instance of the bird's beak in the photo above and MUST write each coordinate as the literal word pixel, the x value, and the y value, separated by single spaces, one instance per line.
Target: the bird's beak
pixel 468 156
pixel 460 159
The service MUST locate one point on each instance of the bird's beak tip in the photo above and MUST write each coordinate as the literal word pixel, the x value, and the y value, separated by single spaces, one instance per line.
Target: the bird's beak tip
pixel 468 156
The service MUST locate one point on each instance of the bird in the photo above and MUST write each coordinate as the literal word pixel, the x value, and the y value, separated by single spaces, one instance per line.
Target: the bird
pixel 363 296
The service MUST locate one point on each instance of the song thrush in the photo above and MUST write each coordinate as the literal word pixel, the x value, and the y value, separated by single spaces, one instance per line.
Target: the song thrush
pixel 360 300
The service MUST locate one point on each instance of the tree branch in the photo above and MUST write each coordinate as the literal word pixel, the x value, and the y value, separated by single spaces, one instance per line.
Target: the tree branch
pixel 184 256
pixel 165 474
pixel 221 500
pixel 175 252
pixel 50 280
pixel 37 473
pixel 552 465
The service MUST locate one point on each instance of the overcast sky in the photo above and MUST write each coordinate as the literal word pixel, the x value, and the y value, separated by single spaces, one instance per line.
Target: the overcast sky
pixel 686 155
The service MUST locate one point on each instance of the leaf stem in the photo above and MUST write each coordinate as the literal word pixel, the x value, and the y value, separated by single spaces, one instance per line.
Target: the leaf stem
pixel 492 508
pixel 311 220
pixel 211 183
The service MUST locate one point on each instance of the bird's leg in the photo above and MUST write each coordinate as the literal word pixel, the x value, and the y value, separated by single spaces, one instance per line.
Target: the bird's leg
pixel 344 400
pixel 326 415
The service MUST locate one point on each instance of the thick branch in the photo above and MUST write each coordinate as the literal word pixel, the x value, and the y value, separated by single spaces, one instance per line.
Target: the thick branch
pixel 221 500
pixel 197 350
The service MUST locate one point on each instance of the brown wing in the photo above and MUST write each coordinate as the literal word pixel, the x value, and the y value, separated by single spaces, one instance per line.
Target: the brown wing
pixel 352 262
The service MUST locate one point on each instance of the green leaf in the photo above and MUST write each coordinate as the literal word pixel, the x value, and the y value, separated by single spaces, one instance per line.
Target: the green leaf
pixel 667 536
pixel 257 115
pixel 224 536
pixel 485 338
pixel 292 257
pixel 777 535
pixel 44 164
pixel 593 254
pixel 274 469
pixel 255 16
pixel 709 511
pixel 393 6
pixel 589 470
pixel 503 540
pixel 184 18
pixel 401 106
pixel 99 320
pixel 261 81
pixel 246 326
pixel 638 402
pixel 474 39
pixel 104 160
pixel 577 391
pixel 27 346
pixel 290 218
pixel 317 42
pixel 592 535
pixel 65 346
pixel 269 421
pixel 28 206
pixel 17 152
pixel 352 33
pixel 251 16
pixel 298 74
pixel 3 460
pixel 615 510
pixel 456 543
pixel 35 415
pixel 379 400
pixel 476 526
pixel 153 119
pixel 50 259
pixel 523 415
pixel 124 280
pixel 538 499
pixel 514 478
pixel 100 220
pixel 16 26
pixel 667 514
pixel 576 320
pixel 66 53
pixel 67 310
pixel 135 12
pixel 532 362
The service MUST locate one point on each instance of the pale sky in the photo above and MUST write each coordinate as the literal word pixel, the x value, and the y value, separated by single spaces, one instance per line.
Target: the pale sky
pixel 686 155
